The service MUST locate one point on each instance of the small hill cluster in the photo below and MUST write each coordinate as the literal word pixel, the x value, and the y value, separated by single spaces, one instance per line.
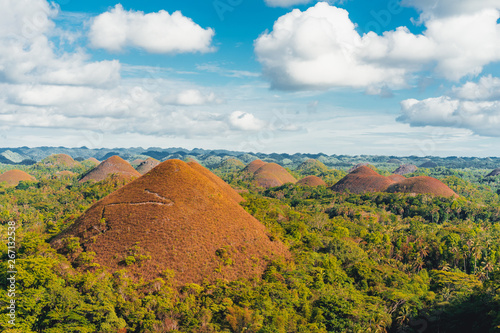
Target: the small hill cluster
pixel 113 165
pixel 364 179
pixel 312 167
pixel 180 217
pixel 267 174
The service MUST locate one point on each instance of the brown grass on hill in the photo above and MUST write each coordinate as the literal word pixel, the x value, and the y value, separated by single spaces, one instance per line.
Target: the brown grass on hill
pixel 362 179
pixel 254 166
pixel 422 185
pixel 147 165
pixel 312 181
pixel 277 171
pixel 180 218
pixel 13 177
pixel 396 178
pixel 217 181
pixel 60 160
pixel 267 180
pixel 113 165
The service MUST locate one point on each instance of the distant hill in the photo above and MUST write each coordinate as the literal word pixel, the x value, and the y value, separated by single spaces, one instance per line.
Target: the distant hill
pixel 362 179
pixel 231 164
pixel 113 165
pixel 312 181
pixel 422 185
pixel 271 175
pixel 175 217
pixel 13 177
pixel 60 161
pixel 495 172
pixel 147 165
pixel 405 169
pixel 365 179
pixel 312 167
pixel 428 164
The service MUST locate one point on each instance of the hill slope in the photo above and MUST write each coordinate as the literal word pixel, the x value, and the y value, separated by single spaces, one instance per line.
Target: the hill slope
pixel 183 220
pixel 421 185
pixel 362 179
pixel 312 181
pixel 147 165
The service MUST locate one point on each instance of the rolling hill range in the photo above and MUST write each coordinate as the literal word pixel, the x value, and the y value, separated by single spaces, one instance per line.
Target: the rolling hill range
pixel 365 179
pixel 182 220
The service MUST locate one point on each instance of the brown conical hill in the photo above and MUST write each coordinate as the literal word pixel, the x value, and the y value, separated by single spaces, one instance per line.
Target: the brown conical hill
pixel 422 185
pixel 183 221
pixel 13 177
pixel 60 160
pixel 312 181
pixel 254 166
pixel 113 165
pixel 277 171
pixel 92 160
pixel 267 180
pixel 217 181
pixel 135 163
pixel 147 165
pixel 405 169
pixel 363 179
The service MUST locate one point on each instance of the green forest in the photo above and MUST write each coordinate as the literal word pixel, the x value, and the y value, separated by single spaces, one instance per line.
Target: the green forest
pixel 371 262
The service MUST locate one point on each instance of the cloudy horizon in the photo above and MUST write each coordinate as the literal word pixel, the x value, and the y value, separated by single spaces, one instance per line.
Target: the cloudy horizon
pixel 340 77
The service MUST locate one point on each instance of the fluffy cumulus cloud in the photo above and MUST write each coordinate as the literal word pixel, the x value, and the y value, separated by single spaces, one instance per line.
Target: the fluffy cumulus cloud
pixel 44 87
pixel 320 48
pixel 28 55
pixel 474 106
pixel 245 121
pixel 159 32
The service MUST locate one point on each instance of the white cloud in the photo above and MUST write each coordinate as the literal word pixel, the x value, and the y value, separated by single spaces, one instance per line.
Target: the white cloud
pixel 245 121
pixel 471 108
pixel 193 97
pixel 488 88
pixel 320 48
pixel 442 8
pixel 159 32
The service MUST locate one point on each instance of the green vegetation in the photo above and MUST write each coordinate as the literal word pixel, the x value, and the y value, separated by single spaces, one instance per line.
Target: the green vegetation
pixel 374 262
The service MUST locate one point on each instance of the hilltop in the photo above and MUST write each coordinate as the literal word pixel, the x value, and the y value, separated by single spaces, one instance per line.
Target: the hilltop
pixel 312 181
pixel 180 219
pixel 60 161
pixel 113 165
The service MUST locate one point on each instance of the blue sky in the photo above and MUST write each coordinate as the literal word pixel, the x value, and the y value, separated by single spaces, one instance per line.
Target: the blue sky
pixel 341 77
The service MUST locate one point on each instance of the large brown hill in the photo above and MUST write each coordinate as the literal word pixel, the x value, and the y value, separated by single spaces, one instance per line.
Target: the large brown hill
pixel 362 179
pixel 147 165
pixel 113 165
pixel 13 177
pixel 180 218
pixel 312 181
pixel 422 185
